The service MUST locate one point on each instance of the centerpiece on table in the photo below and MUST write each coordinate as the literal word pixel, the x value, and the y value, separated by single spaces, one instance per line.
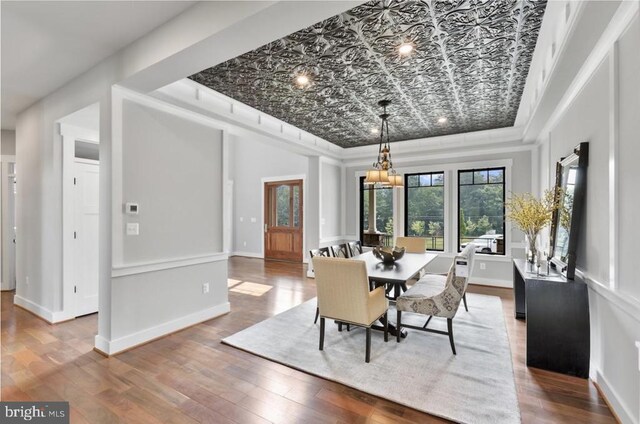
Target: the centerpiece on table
pixel 388 255
pixel 531 215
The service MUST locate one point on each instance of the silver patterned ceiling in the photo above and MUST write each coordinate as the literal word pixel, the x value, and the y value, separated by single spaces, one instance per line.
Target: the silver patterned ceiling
pixel 469 64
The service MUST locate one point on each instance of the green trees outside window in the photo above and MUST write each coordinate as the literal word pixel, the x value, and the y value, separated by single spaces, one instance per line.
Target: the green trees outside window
pixel 384 210
pixel 424 208
pixel 481 209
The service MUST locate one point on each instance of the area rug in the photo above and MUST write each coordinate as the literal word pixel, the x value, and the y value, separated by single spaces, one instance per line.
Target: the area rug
pixel 474 386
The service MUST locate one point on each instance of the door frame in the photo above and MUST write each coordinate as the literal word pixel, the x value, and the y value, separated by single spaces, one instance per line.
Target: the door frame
pixel 68 135
pixel 75 300
pixel 264 180
pixel 6 160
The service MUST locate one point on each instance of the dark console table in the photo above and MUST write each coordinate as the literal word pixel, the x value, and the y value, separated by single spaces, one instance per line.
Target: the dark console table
pixel 557 315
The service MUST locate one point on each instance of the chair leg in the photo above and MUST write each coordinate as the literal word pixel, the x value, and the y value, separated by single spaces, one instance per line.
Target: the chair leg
pixel 450 330
pixel 427 323
pixel 398 326
pixel 386 326
pixel 339 326
pixel 368 352
pixel 317 315
pixel 321 333
pixel 348 327
pixel 464 299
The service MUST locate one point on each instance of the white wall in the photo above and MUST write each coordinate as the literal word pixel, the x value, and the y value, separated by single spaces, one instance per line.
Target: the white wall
pixel 172 168
pixel 171 165
pixel 206 34
pixel 252 159
pixel 262 148
pixel 603 108
pixel 8 142
pixel 331 201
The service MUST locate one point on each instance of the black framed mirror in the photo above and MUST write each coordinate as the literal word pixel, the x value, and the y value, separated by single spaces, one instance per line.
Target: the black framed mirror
pixel 571 178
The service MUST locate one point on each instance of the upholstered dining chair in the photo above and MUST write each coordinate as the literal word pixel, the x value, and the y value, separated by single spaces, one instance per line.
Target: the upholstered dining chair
pixel 340 251
pixel 343 295
pixel 323 251
pixel 355 247
pixel 412 244
pixel 428 297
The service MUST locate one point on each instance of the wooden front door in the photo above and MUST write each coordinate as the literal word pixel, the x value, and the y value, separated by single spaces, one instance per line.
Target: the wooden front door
pixel 283 220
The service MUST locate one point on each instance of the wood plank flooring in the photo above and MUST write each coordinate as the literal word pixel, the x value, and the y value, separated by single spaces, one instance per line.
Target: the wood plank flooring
pixel 191 377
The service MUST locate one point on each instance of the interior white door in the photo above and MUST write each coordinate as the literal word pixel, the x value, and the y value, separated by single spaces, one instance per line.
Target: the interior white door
pixel 85 261
pixel 8 228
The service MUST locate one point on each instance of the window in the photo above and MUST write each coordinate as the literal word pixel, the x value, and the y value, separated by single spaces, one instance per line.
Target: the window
pixel 481 209
pixel 424 208
pixel 376 209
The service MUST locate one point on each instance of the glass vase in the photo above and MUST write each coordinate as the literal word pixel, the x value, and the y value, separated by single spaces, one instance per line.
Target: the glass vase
pixel 531 248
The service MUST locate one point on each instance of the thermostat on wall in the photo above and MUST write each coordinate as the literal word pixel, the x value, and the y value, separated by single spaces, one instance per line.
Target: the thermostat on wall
pixel 131 209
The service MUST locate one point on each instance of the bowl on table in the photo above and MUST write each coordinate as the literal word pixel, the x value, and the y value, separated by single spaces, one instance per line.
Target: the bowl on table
pixel 388 255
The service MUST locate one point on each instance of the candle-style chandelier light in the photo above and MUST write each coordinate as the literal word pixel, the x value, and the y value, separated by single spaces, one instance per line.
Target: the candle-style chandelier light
pixel 382 172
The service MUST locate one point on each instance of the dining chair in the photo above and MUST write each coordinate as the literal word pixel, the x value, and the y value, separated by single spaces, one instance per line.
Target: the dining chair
pixel 340 251
pixel 427 297
pixel 355 247
pixel 343 295
pixel 412 244
pixel 323 251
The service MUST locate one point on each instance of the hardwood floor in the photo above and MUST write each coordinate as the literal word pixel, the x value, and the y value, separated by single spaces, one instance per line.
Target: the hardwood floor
pixel 190 376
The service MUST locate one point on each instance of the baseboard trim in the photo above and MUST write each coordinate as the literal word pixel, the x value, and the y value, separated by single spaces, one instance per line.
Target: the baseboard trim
pixel 491 282
pixel 247 254
pixel 617 407
pixel 37 310
pixel 122 344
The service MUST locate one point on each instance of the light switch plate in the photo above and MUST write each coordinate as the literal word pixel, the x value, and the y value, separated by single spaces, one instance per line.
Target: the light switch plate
pixel 133 229
pixel 253 219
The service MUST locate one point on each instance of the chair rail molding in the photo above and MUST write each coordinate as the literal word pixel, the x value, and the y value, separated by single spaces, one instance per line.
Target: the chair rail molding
pixel 144 267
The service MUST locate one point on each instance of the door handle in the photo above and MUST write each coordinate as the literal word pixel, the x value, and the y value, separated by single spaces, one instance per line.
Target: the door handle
pixel 265 228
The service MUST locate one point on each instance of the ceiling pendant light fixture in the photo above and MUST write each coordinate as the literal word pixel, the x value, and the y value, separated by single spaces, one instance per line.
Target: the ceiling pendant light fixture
pixel 382 172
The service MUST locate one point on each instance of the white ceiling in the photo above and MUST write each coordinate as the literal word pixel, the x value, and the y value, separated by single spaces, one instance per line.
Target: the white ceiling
pixel 46 44
pixel 87 118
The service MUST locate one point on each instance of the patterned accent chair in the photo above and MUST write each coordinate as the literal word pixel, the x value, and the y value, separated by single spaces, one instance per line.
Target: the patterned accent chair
pixel 343 295
pixel 427 297
pixel 355 247
pixel 340 251
pixel 323 251
pixel 412 244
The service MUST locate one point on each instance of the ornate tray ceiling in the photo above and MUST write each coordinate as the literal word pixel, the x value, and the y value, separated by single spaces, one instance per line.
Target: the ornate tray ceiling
pixel 469 65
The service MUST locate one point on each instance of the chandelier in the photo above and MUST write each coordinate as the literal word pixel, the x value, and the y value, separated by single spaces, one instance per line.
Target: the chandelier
pixel 382 172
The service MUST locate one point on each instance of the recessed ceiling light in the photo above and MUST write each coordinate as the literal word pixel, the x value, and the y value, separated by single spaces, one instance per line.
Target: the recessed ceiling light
pixel 374 131
pixel 442 120
pixel 405 48
pixel 302 80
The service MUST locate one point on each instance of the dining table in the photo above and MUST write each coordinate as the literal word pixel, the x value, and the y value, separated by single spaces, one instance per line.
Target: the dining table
pixel 394 276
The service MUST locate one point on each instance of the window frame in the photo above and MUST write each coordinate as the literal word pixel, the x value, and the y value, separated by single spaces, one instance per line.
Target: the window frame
pixel 361 190
pixel 504 192
pixel 444 204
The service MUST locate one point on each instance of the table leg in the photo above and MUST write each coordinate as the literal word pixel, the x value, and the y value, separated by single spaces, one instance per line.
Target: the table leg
pixel 392 327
